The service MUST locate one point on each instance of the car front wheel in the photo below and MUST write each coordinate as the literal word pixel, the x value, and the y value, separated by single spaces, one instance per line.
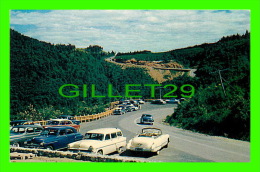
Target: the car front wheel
pixel 15 144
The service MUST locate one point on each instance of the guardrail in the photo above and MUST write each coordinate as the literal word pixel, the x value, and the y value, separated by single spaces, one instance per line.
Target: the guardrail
pixel 87 118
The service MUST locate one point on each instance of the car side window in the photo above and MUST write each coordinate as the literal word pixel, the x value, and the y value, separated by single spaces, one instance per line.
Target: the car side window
pixel 62 132
pixel 29 130
pixel 119 133
pixel 107 137
pixel 113 135
pixel 63 123
pixel 70 131
pixel 37 130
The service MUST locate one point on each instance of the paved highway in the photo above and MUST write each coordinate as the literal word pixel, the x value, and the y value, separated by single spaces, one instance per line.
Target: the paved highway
pixel 184 146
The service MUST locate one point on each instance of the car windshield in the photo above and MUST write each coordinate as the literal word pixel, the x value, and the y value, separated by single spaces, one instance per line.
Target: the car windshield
pixel 150 132
pixel 50 132
pixel 63 117
pixel 147 115
pixel 53 123
pixel 94 136
pixel 18 130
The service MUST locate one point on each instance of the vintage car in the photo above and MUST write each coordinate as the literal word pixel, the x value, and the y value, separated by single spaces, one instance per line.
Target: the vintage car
pixel 54 138
pixel 141 101
pixel 173 101
pixel 21 122
pixel 149 140
pixel 158 101
pixel 61 122
pixel 69 117
pixel 19 134
pixel 146 119
pixel 100 141
pixel 129 108
pixel 119 111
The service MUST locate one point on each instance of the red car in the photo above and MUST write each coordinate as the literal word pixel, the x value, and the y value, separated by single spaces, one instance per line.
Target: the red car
pixel 61 122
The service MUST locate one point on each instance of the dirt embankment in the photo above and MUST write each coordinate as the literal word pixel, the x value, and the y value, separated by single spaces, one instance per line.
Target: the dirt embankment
pixel 149 66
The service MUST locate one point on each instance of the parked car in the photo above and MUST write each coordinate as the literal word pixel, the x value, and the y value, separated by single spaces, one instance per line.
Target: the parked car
pixel 182 99
pixel 134 108
pixel 149 140
pixel 158 101
pixel 173 101
pixel 69 117
pixel 122 106
pixel 141 101
pixel 61 122
pixel 54 138
pixel 146 119
pixel 101 141
pixel 129 108
pixel 21 122
pixel 126 101
pixel 19 134
pixel 119 111
pixel 133 101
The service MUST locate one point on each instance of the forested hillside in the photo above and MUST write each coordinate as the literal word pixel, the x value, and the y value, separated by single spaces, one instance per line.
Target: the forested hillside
pixel 39 69
pixel 214 109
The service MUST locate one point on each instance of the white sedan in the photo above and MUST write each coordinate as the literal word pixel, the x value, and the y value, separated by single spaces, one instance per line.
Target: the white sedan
pixel 149 140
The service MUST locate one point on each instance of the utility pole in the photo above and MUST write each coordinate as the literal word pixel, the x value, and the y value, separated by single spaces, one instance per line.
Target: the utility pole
pixel 221 82
pixel 220 77
pixel 160 91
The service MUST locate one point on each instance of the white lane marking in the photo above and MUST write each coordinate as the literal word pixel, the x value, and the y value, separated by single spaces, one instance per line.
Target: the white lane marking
pixel 223 150
pixel 135 122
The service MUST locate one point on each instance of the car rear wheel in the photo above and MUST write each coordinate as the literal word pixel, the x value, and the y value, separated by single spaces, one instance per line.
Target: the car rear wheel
pixel 120 150
pixel 49 148
pixel 100 152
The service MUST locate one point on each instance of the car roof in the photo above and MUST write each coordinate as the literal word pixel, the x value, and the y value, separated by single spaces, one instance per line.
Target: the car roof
pixel 60 127
pixel 104 130
pixel 66 116
pixel 151 128
pixel 26 126
pixel 59 120
pixel 20 120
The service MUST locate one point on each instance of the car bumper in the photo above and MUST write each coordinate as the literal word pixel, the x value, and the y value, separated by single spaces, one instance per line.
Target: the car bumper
pixel 76 150
pixel 141 149
pixel 35 146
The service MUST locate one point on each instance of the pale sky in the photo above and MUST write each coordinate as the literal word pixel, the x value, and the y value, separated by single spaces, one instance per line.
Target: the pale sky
pixel 130 30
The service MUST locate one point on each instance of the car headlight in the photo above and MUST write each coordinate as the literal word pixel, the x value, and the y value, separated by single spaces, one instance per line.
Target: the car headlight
pixel 41 144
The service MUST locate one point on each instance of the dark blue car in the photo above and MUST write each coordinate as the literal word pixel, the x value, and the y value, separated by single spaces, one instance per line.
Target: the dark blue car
pixel 54 138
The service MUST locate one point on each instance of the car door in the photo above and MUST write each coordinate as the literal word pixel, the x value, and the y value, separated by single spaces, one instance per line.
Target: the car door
pixel 29 133
pixel 62 139
pixel 120 140
pixel 109 145
pixel 115 141
pixel 72 136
